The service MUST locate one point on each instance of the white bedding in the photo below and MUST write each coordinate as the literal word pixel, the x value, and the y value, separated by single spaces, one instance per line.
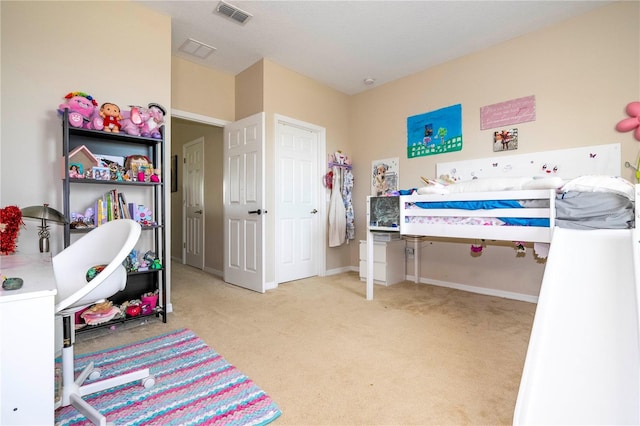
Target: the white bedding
pixel 499 224
pixel 587 183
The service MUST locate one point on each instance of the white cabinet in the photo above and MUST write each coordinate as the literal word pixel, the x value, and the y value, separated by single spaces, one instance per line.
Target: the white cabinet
pixel 26 338
pixel 388 261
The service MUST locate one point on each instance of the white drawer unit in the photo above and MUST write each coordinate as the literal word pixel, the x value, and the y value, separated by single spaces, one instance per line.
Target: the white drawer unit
pixel 388 261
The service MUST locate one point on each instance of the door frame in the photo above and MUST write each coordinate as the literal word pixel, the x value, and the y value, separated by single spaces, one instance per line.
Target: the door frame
pixel 196 118
pixel 322 200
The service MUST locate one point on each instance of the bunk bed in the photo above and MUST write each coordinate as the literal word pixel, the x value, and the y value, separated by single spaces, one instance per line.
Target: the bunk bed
pixel 583 360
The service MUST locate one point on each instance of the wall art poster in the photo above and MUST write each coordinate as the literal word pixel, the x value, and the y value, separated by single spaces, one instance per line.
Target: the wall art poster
pixel 384 176
pixel 435 132
pixel 505 140
pixel 502 114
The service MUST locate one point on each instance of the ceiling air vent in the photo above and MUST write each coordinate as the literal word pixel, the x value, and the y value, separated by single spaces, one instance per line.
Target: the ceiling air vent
pixel 232 12
pixel 197 48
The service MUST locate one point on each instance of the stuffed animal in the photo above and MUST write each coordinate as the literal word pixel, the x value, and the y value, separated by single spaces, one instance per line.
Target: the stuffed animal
pixel 133 120
pixel 82 111
pixel 111 117
pixel 151 127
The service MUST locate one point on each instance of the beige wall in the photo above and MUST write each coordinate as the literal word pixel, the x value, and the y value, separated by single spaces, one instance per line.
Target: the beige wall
pixel 201 90
pixel 250 91
pixel 183 131
pixel 582 72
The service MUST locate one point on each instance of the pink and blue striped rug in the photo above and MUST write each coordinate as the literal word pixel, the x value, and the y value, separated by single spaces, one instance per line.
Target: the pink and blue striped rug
pixel 194 386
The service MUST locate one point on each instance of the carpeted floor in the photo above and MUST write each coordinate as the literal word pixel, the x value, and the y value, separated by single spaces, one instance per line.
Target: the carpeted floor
pixel 415 355
pixel 193 385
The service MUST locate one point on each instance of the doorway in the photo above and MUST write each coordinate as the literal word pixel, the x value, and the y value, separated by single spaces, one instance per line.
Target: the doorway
pixel 186 127
pixel 214 219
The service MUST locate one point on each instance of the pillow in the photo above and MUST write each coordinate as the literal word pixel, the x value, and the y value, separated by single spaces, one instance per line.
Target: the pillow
pixel 489 184
pixel 554 182
pixel 598 183
pixel 433 189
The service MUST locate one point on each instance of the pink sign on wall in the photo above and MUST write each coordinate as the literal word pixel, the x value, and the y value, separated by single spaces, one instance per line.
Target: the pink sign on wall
pixel 515 111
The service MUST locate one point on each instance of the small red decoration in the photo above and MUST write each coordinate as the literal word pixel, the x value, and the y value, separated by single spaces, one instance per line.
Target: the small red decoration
pixel 10 221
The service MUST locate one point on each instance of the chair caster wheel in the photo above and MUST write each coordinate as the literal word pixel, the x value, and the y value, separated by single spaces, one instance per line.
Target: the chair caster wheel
pixel 148 382
pixel 94 374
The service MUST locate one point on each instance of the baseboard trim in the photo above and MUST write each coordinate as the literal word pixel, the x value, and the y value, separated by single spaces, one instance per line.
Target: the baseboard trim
pixel 337 271
pixel 479 290
pixel 213 271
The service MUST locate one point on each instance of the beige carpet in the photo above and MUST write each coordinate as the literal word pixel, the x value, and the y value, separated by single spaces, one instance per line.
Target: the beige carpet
pixel 415 355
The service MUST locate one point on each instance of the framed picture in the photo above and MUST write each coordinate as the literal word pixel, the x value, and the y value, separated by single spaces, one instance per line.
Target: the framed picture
pixel 101 173
pixel 384 176
pixel 76 170
pixel 174 173
pixel 505 140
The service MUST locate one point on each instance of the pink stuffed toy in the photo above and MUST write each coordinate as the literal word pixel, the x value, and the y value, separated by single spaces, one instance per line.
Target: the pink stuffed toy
pixel 151 127
pixel 133 120
pixel 83 111
pixel 629 124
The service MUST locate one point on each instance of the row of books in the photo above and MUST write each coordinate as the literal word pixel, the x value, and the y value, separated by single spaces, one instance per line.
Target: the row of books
pixel 113 205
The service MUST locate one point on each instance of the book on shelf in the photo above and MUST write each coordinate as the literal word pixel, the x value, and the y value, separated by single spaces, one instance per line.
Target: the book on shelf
pixel 113 205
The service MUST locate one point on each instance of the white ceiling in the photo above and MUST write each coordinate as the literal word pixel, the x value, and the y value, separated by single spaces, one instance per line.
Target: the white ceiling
pixel 340 43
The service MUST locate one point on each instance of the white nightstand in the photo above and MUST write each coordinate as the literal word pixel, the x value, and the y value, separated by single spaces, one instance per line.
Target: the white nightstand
pixel 388 261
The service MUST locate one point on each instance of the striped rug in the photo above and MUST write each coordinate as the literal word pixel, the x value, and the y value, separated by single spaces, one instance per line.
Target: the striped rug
pixel 194 386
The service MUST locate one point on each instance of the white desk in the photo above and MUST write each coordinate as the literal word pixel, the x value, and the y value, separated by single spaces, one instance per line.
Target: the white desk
pixel 27 341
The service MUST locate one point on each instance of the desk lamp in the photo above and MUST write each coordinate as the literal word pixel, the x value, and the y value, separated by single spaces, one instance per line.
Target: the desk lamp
pixel 44 213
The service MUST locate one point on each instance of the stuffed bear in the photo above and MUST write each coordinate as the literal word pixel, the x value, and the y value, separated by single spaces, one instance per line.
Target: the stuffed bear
pixel 82 111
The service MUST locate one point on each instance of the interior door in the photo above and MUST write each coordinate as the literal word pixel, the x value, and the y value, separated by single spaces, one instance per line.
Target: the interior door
pixel 243 203
pixel 297 202
pixel 193 190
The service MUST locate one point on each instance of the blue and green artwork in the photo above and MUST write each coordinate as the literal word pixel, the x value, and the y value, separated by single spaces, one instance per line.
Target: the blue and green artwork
pixel 435 132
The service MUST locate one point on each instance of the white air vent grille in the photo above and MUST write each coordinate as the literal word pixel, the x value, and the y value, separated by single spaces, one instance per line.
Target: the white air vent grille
pixel 232 12
pixel 197 48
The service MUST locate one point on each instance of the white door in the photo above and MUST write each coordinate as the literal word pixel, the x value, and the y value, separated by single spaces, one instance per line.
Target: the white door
pixel 243 203
pixel 193 190
pixel 297 202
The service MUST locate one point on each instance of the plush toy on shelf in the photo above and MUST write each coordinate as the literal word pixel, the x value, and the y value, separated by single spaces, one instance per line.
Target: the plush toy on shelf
pixel 111 117
pixel 133 120
pixel 82 111
pixel 151 127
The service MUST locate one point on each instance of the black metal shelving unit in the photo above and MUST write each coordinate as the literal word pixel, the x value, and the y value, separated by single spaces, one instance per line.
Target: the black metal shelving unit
pixel 121 145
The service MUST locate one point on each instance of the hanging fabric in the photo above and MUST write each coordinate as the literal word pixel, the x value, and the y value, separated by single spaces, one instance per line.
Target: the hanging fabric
pixel 337 211
pixel 347 189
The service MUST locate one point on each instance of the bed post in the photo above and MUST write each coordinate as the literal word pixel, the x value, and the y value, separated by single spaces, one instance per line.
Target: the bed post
pixel 416 240
pixel 369 253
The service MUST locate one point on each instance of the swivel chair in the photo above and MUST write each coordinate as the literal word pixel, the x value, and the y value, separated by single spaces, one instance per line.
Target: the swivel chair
pixel 107 245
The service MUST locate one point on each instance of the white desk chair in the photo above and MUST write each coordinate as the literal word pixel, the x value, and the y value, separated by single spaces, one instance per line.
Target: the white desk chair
pixel 109 245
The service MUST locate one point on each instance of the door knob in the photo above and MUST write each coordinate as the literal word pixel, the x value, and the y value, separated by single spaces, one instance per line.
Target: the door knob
pixel 314 211
pixel 198 211
pixel 258 212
